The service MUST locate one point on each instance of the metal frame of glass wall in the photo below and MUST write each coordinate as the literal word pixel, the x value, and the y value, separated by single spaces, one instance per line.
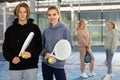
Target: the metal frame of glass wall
pixel 97 21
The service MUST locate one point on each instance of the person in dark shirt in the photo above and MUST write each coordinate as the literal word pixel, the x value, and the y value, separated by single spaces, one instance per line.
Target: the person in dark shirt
pixel 15 35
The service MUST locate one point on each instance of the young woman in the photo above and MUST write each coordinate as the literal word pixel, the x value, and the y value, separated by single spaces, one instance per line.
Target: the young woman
pixel 55 32
pixel 22 68
pixel 84 44
pixel 110 47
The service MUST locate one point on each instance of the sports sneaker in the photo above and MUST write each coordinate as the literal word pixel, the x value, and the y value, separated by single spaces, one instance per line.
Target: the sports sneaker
pixel 111 75
pixel 84 75
pixel 106 77
pixel 92 74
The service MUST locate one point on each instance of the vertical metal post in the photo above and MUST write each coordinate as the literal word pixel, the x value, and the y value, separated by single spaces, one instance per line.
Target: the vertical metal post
pixel 32 9
pixel 72 20
pixel 59 3
pixel 32 5
pixel 102 22
pixel 4 19
pixel 79 11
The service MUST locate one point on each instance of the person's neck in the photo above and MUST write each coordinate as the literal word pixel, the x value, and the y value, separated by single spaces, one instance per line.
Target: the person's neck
pixel 53 25
pixel 22 22
pixel 110 29
pixel 82 27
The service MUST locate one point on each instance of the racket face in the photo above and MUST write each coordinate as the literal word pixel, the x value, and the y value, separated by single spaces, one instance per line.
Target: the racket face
pixel 62 49
pixel 87 58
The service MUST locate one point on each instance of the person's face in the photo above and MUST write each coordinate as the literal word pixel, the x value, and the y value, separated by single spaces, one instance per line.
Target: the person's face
pixel 110 26
pixel 22 14
pixel 83 25
pixel 53 16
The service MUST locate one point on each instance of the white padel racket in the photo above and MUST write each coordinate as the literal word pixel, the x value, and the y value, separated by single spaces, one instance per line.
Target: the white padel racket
pixel 26 42
pixel 62 50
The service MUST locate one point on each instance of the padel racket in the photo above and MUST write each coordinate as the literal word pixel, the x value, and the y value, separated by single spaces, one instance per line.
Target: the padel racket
pixel 26 42
pixel 62 50
pixel 87 58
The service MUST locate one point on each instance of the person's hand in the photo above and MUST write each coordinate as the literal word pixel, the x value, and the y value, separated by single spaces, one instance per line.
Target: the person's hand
pixel 112 52
pixel 47 55
pixel 26 55
pixel 16 60
pixel 88 46
pixel 105 63
pixel 51 60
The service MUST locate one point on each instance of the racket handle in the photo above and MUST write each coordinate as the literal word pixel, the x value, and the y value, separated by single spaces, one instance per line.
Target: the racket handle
pixel 53 54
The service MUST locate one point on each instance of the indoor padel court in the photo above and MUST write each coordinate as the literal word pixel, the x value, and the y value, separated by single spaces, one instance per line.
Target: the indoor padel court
pixel 73 66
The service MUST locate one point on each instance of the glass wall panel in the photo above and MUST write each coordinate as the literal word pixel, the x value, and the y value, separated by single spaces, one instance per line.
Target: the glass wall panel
pixel 9 19
pixel 42 21
pixel 95 24
pixel 70 20
pixel 113 16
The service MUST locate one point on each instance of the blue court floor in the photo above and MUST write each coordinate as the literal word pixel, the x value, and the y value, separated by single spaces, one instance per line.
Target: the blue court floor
pixel 73 66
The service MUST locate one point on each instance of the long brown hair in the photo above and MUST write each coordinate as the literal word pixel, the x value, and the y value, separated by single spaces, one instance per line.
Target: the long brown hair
pixel 58 11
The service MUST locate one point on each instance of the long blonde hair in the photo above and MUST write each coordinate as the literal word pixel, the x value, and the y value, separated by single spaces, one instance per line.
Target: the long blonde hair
pixel 79 23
